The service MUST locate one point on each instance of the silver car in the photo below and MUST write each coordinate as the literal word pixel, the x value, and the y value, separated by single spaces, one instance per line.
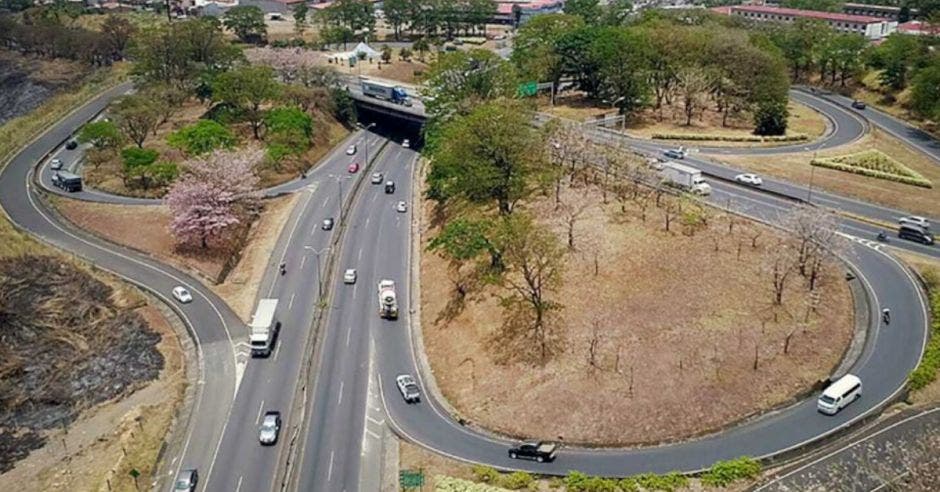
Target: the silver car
pixel 270 427
pixel 408 388
pixel 55 164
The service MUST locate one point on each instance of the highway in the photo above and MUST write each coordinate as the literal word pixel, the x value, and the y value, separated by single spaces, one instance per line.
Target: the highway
pixel 356 345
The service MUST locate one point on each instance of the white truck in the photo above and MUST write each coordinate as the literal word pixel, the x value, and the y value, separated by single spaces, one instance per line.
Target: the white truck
pixel 685 177
pixel 388 301
pixel 387 92
pixel 264 328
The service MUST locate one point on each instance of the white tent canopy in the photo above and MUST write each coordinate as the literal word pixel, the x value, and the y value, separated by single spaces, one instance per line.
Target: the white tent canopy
pixel 355 52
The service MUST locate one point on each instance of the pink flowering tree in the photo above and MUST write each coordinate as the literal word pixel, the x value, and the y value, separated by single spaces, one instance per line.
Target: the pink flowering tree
pixel 214 196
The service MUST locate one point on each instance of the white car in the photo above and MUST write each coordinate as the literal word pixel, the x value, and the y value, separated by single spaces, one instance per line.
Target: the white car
pixel 402 207
pixel 915 220
pixel 749 179
pixel 55 164
pixel 182 295
pixel 270 428
pixel 350 276
pixel 377 178
pixel 408 388
pixel 406 143
pixel 351 150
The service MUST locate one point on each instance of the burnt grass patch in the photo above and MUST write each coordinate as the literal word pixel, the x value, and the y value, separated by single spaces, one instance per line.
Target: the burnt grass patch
pixel 66 344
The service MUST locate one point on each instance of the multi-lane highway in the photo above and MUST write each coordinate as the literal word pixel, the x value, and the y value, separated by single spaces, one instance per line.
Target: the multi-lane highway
pixel 358 355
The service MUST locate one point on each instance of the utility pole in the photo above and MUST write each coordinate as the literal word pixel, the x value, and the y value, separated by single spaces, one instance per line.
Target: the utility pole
pixel 317 254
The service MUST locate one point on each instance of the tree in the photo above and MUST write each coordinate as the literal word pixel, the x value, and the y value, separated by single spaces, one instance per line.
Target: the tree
pixel 895 57
pixel 396 15
pixel 101 134
pixel 137 162
pixel 247 88
pixel 490 156
pixel 215 195
pixel 459 81
pixel 202 137
pixel 344 107
pixel 247 22
pixel 535 47
pixel 770 117
pixel 288 132
pixel 617 12
pixel 778 265
pixel 693 83
pixel 353 15
pixel 623 60
pixel 534 267
pixel 589 10
pixel 137 116
pixel 386 54
pixel 117 32
pixel 925 91
pixel 300 17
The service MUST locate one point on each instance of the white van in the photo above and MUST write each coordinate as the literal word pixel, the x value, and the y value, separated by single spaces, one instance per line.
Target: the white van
pixel 839 394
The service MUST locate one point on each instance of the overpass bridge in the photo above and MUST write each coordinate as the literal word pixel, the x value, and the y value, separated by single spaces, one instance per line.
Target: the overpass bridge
pixel 413 114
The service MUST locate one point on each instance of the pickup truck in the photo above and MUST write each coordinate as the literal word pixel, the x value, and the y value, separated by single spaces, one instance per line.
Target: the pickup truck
pixel 536 451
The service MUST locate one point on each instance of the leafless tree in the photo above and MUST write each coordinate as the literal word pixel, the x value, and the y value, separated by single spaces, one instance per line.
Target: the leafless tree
pixel 570 214
pixel 779 264
pixel 814 235
pixel 670 210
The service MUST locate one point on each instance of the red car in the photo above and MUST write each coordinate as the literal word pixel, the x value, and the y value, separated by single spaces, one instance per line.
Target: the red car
pixel 354 167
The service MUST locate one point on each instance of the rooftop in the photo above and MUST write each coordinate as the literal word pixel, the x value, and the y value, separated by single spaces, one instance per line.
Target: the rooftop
pixel 810 14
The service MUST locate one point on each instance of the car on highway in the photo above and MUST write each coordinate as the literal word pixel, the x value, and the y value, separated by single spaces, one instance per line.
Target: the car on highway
pixel 55 164
pixel 401 207
pixel 351 150
pixel 839 394
pixel 270 427
pixel 408 388
pixel 71 145
pixel 354 168
pixel 377 178
pixel 327 224
pixel 749 179
pixel 349 277
pixel 186 481
pixel 182 295
pixel 915 220
pixel 536 451
pixel 915 233
pixel 389 187
pixel 858 104
pixel 679 153
pixel 406 143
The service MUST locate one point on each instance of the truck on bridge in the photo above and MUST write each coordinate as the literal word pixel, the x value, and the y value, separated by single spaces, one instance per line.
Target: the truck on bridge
pixel 264 328
pixel 387 92
pixel 388 301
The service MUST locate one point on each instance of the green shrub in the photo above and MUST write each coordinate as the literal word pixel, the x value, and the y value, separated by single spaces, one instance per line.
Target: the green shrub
pixel 516 480
pixel 874 164
pixel 797 137
pixel 483 473
pixel 579 482
pixel 926 372
pixel 723 473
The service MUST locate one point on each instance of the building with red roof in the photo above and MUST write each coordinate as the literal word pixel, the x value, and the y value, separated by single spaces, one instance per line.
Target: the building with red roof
pixel 870 27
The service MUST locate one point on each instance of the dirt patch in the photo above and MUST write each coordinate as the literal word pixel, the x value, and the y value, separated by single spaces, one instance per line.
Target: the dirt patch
pixel 803 120
pixel 241 285
pixel 400 70
pixel 676 322
pixel 121 224
pixel 70 341
pixel 796 168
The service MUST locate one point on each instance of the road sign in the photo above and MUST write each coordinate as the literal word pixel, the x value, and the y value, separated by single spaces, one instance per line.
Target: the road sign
pixel 528 88
pixel 410 479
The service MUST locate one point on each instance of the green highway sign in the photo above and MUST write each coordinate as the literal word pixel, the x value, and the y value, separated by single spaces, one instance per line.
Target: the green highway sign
pixel 409 479
pixel 528 88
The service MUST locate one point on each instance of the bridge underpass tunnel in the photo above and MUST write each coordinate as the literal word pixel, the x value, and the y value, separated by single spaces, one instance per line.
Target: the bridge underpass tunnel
pixel 395 128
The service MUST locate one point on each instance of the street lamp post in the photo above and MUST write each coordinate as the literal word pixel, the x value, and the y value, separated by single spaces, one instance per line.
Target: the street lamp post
pixel 366 141
pixel 319 276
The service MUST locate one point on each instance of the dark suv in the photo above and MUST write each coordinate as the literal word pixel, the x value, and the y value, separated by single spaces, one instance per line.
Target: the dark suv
pixel 915 233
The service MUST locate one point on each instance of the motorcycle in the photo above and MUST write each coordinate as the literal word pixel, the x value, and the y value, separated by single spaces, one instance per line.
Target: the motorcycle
pixel 882 237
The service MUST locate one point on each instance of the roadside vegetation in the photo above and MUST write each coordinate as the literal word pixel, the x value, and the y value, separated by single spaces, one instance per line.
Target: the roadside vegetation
pixel 929 367
pixel 875 164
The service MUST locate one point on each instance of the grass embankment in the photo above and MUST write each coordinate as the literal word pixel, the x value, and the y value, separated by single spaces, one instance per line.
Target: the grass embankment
pixel 926 371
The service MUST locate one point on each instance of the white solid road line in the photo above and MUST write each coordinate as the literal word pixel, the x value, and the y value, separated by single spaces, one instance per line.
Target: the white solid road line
pixel 260 409
pixel 348 335
pixel 329 471
pixel 290 303
pixel 340 400
pixel 303 260
pixel 239 486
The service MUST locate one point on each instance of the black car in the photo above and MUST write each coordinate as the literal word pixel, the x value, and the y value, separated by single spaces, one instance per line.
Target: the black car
pixel 858 105
pixel 67 181
pixel 327 224
pixel 536 451
pixel 915 233
pixel 389 187
pixel 71 145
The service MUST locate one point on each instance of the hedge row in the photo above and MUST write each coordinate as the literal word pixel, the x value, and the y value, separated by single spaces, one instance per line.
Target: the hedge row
pixel 451 484
pixel 926 372
pixel 874 164
pixel 723 473
pixel 798 137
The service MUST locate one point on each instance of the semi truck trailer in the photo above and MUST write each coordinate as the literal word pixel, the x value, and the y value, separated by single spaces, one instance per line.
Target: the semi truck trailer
pixel 387 92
